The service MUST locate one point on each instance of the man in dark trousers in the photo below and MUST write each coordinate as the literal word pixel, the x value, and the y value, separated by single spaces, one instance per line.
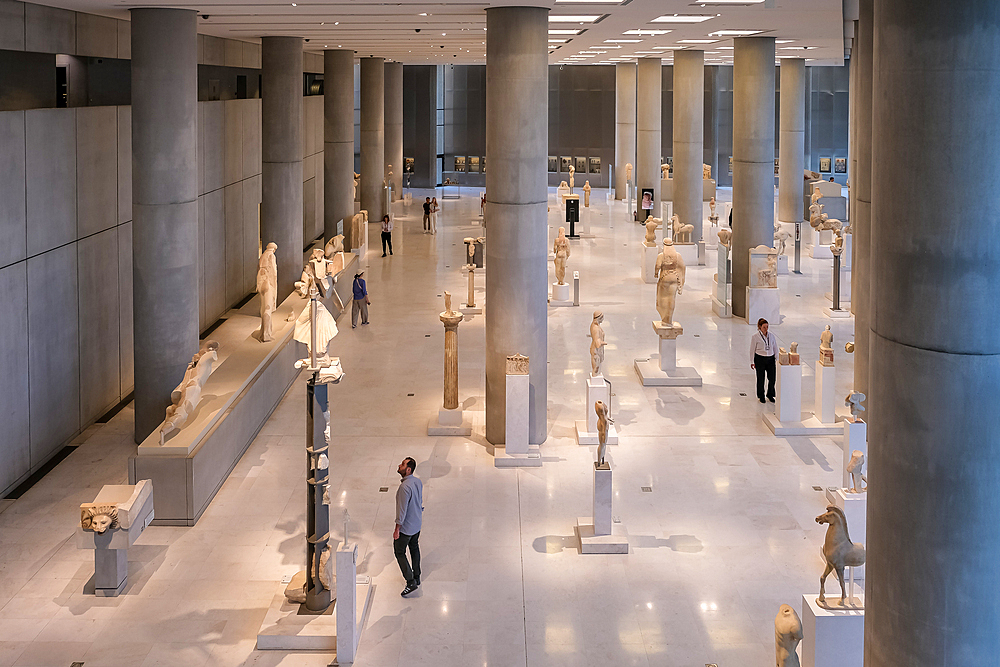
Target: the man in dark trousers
pixel 409 516
pixel 427 215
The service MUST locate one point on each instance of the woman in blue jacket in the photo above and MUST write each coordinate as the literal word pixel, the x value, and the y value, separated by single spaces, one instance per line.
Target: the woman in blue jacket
pixel 360 302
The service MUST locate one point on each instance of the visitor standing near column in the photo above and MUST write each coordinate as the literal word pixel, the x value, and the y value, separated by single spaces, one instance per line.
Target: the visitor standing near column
pixel 764 351
pixel 361 301
pixel 386 233
pixel 409 516
pixel 427 215
pixel 435 207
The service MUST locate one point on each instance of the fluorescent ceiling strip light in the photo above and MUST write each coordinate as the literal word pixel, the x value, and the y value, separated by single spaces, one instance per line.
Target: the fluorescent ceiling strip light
pixel 796 48
pixel 723 48
pixel 558 18
pixel 557 41
pixel 783 41
pixel 648 53
pixel 735 33
pixel 622 41
pixel 564 31
pixel 681 18
pixel 652 33
pixel 590 2
pixel 697 41
pixel 730 2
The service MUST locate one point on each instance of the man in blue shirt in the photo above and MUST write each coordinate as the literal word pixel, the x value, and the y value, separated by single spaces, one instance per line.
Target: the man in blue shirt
pixel 360 303
pixel 409 516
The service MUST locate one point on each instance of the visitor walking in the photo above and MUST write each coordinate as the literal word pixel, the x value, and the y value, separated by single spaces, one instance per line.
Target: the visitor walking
pixel 361 301
pixel 427 215
pixel 409 516
pixel 386 233
pixel 764 351
pixel 435 207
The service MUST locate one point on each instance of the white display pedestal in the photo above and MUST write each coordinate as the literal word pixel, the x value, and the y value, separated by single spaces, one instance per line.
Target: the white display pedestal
pixel 135 511
pixel 845 259
pixel 845 286
pixel 586 429
pixel 763 302
pixel 821 241
pixel 855 438
pixel 825 388
pixel 450 422
pixel 855 506
pixel 722 292
pixel 599 534
pixel 584 226
pixel 782 265
pixel 516 452
pixel 710 233
pixel 832 638
pixel 348 631
pixel 662 370
pixel 688 252
pixel 560 295
pixel 788 403
pixel 648 258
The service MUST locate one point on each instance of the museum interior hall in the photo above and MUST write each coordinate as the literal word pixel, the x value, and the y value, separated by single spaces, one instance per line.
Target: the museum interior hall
pixel 637 302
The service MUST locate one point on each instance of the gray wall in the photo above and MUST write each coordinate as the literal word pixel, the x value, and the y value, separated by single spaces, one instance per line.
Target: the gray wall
pixel 582 119
pixel 828 123
pixel 312 168
pixel 419 123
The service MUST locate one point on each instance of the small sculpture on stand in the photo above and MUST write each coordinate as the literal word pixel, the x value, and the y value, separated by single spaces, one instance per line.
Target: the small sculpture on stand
pixel 186 396
pixel 628 171
pixel 826 347
pixel 853 401
pixel 726 238
pixel 651 226
pixel 780 238
pixel 597 344
pixel 712 217
pixel 664 171
pixel 838 552
pixel 670 273
pixel 682 232
pixel 586 194
pixel 856 469
pixel 787 635
pixel 572 180
pixel 706 172
pixel 815 196
pixel 267 288
pixel 602 431
pixel 793 354
pixel 560 248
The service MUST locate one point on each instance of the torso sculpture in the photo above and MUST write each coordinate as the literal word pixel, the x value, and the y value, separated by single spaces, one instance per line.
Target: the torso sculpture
pixel 586 194
pixel 706 172
pixel 664 170
pixel 682 232
pixel 826 347
pixel 628 171
pixel 185 397
pixel 267 288
pixel 602 430
pixel 787 635
pixel 780 238
pixel 572 181
pixel 838 550
pixel 711 207
pixel 560 248
pixel 651 225
pixel 854 399
pixel 856 469
pixel 670 273
pixel 335 245
pixel 726 237
pixel 597 344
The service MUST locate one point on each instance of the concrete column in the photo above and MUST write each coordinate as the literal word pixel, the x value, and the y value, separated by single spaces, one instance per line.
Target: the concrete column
pixel 933 536
pixel 648 128
pixel 164 206
pixel 711 121
pixel 791 140
pixel 807 139
pixel 516 197
pixel 861 189
pixel 753 156
pixel 372 136
pixel 338 144
pixel 624 124
pixel 394 125
pixel 689 138
pixel 281 152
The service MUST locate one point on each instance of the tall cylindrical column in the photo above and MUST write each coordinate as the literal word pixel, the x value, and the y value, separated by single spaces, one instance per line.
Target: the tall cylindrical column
pixel 394 126
pixel 791 140
pixel 164 206
pixel 753 157
pixel 281 155
pixel 372 136
pixel 516 197
pixel 712 120
pixel 933 536
pixel 450 321
pixel 807 139
pixel 648 102
pixel 338 144
pixel 689 138
pixel 624 124
pixel 861 187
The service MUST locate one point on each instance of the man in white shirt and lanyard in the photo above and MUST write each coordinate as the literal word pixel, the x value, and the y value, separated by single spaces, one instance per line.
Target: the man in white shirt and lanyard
pixel 764 355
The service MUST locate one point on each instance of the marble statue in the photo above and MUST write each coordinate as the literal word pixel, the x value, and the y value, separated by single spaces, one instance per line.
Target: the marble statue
pixel 651 225
pixel 726 237
pixel 99 518
pixel 185 397
pixel 838 551
pixel 809 175
pixel 849 347
pixel 334 245
pixel 470 301
pixel 358 226
pixel 711 208
pixel 706 172
pixel 793 354
pixel 787 635
pixel 821 221
pixel 815 196
pixel 664 171
pixel 826 347
pixel 560 248
pixel 586 194
pixel 682 232
pixel 572 178
pixel 856 469
pixel 853 401
pixel 597 344
pixel 267 288
pixel 602 430
pixel 783 356
pixel 781 236
pixel 768 276
pixel 670 273
pixel 628 171
pixel 517 364
pixel 120 508
pixel 326 329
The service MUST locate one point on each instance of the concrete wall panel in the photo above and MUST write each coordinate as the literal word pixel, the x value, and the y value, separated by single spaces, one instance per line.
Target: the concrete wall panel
pixel 100 354
pixel 53 351
pixel 125 40
pixel 96 36
pixel 125 344
pixel 233 144
pixel 11 33
pixel 214 257
pixel 96 169
pixel 202 297
pixel 251 55
pixel 309 232
pixel 13 225
pixel 124 164
pixel 251 232
pixel 234 244
pixel 233 53
pixel 15 451
pixel 215 51
pixel 49 30
pixel 50 177
pixel 251 137
pixel 212 144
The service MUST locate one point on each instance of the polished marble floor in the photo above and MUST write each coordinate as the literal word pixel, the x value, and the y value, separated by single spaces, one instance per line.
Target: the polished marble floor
pixel 725 535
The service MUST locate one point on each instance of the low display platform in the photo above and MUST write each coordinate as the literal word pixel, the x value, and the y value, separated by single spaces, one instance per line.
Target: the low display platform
pixel 808 426
pixel 651 375
pixel 615 543
pixel 287 628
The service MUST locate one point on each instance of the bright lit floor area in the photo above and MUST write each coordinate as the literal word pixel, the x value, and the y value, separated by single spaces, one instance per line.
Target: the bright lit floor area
pixel 719 512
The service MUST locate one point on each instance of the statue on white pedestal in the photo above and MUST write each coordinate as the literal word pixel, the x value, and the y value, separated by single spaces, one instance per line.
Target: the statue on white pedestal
pixel 572 180
pixel 597 344
pixel 267 288
pixel 602 430
pixel 787 635
pixel 560 248
pixel 670 273
pixel 706 172
pixel 838 550
pixel 586 194
pixel 185 397
pixel 326 329
pixel 826 347
pixel 793 354
pixel 726 238
pixel 711 207
pixel 682 232
pixel 651 225
pixel 853 401
pixel 664 171
pixel 781 236
pixel 628 171
pixel 856 469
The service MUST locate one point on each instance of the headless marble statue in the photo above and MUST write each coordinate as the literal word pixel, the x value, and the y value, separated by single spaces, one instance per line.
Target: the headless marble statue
pixel 560 248
pixel 267 288
pixel 787 635
pixel 185 397
pixel 670 273
pixel 602 431
pixel 597 344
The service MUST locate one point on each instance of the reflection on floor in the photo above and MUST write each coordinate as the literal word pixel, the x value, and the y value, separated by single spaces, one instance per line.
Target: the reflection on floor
pixel 725 535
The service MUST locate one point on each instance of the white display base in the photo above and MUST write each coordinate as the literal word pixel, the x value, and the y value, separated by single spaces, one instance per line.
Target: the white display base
pixel 825 409
pixel 788 400
pixel 466 310
pixel 808 425
pixel 688 252
pixel 583 229
pixel 820 252
pixel 561 295
pixel 285 628
pixel 450 422
pixel 598 533
pixel 721 309
pixel 516 419
pixel 348 630
pixel 782 265
pixel 710 233
pixel 855 438
pixel 763 302
pixel 648 259
pixel 615 543
pixel 845 259
pixel 702 253
pixel 837 314
pixel 832 638
pixel 586 429
pixel 531 459
pixel 651 375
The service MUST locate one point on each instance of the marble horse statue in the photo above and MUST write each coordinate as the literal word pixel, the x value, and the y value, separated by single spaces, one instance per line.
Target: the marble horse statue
pixel 838 550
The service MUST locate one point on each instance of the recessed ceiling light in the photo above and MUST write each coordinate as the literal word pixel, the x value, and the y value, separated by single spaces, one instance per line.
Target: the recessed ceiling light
pixel 559 18
pixel 422 14
pixel 662 48
pixel 336 23
pixel 796 48
pixel 554 41
pixel 735 33
pixel 681 18
pixel 592 2
pixel 622 41
pixel 783 41
pixel 647 32
pixel 564 31
pixel 703 3
pixel 724 48
pixel 697 41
